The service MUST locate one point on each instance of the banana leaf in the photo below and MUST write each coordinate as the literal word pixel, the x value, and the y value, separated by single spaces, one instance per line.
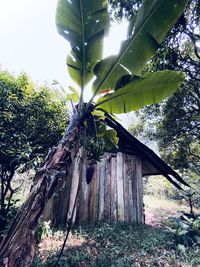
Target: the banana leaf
pixel 153 21
pixel 74 96
pixel 141 91
pixel 83 23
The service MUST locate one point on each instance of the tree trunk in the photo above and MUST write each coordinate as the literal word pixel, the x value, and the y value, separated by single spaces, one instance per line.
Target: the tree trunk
pixel 6 196
pixel 2 206
pixel 18 247
pixel 60 207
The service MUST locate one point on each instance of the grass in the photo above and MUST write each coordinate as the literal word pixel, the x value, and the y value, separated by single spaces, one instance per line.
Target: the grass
pixel 121 245
pixel 158 210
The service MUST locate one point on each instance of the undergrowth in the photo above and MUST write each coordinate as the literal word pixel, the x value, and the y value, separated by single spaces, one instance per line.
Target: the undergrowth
pixel 116 245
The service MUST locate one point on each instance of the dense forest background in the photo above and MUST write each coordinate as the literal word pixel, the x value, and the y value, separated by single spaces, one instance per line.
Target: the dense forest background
pixel 174 124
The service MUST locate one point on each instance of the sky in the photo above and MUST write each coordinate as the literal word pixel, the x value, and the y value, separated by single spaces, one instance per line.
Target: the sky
pixel 29 42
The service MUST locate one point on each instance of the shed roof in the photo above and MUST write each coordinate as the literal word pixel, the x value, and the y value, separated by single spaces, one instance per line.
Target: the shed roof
pixel 152 164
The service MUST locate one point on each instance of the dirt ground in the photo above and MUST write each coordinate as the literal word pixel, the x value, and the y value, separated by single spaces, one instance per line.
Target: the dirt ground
pixel 158 211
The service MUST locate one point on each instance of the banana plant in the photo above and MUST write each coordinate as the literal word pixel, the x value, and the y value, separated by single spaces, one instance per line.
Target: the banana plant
pixel 84 23
pixel 119 83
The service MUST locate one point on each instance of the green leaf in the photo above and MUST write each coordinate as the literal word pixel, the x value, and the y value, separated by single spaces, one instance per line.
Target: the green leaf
pixel 153 21
pixel 83 23
pixel 55 82
pixel 197 239
pixel 149 89
pixel 181 248
pixel 74 96
pixel 111 140
pixel 101 130
pixel 98 113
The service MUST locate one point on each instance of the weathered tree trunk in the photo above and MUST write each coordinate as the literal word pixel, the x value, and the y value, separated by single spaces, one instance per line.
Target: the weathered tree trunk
pixel 60 208
pixel 18 247
pixel 6 196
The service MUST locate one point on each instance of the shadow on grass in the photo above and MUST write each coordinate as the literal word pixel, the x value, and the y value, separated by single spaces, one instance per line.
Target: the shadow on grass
pixel 120 245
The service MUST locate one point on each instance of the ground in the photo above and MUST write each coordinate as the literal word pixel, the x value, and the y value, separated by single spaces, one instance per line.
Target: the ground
pixel 122 245
pixel 158 210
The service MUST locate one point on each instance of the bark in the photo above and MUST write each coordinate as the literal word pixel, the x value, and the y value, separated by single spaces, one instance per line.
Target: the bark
pixel 6 196
pixel 2 205
pixel 18 247
pixel 60 207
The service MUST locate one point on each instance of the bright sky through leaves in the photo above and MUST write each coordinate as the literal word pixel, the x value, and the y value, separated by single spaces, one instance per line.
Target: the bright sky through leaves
pixel 29 41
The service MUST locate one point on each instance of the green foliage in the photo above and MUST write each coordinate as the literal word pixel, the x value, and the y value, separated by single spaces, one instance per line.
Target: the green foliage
pixel 192 198
pixel 74 96
pixel 95 148
pixel 31 121
pixel 145 34
pixel 175 124
pixel 181 123
pixel 186 230
pixel 43 231
pixel 84 24
pixel 175 127
pixel 97 138
pixel 141 91
pixel 119 245
pixel 124 8
pixel 156 186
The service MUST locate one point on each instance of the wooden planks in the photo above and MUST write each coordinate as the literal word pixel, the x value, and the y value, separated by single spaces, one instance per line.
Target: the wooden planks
pixel 107 188
pixel 102 169
pixel 139 191
pixel 113 189
pixel 93 198
pixel 129 209
pixel 83 201
pixel 120 187
pixel 76 177
pixel 114 194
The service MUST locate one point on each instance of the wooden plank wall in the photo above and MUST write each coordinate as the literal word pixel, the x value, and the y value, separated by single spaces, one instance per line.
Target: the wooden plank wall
pixel 114 194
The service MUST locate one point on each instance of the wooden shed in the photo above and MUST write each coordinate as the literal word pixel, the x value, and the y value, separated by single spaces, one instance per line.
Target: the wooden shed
pixel 116 190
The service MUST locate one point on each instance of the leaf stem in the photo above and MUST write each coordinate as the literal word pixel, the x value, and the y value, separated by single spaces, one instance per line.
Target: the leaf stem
pixel 125 49
pixel 83 66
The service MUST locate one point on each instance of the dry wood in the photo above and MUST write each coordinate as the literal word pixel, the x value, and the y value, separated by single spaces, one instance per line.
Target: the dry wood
pixel 115 192
pixel 138 174
pixel 107 198
pixel 77 170
pixel 83 200
pixel 92 197
pixel 120 187
pixel 102 167
pixel 113 188
pixel 130 189
pixel 126 176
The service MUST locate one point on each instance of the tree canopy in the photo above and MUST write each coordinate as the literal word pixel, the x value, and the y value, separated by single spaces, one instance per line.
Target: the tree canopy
pixel 176 121
pixel 31 121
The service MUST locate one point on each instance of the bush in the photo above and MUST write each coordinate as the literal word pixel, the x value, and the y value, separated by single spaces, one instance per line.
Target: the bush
pixel 186 230
pixel 32 120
